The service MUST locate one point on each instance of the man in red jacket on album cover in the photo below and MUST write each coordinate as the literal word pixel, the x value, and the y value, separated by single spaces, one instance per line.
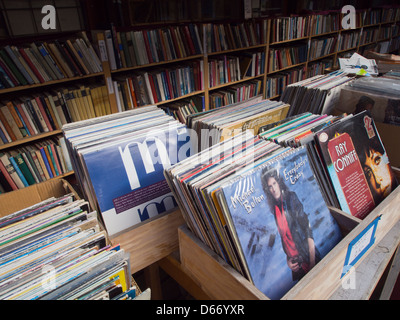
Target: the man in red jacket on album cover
pixel 293 225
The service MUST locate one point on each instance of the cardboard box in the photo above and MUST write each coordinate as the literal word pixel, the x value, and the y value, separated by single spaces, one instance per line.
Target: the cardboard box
pixel 16 200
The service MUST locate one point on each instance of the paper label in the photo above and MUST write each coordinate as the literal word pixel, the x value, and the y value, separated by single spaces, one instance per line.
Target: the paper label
pixel 360 245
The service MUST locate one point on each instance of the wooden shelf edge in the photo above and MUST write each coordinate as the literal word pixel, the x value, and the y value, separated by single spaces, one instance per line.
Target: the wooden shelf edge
pixel 30 139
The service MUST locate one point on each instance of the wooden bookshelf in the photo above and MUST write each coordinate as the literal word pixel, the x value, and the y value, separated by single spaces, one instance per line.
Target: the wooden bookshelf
pixel 259 42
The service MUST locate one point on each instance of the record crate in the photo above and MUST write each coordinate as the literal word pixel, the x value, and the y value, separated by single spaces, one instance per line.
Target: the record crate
pixel 19 199
pixel 222 282
pixel 152 240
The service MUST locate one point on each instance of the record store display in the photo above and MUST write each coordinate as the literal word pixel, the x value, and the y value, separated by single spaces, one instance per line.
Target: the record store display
pixel 229 196
pixel 55 250
pixel 212 126
pixel 347 156
pixel 119 161
pixel 318 94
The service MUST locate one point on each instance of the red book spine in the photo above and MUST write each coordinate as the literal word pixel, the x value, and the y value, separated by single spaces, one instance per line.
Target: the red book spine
pixel 31 65
pixel 7 176
pixel 147 45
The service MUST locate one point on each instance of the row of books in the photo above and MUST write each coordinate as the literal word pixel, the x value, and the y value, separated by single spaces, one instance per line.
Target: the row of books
pixel 295 27
pixel 276 83
pixel 324 23
pixel 145 88
pixel 252 64
pixel 48 111
pixel 33 164
pixel 56 250
pixel 223 70
pixel 280 58
pixel 235 93
pixel 348 40
pixel 119 160
pixel 230 36
pixel 288 28
pixel 135 48
pixel 182 109
pixel 369 35
pixel 322 47
pixel 40 62
pixel 318 67
pixel 385 33
pixel 390 14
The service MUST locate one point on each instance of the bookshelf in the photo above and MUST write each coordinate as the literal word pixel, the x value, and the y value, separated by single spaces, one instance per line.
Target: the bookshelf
pixel 183 59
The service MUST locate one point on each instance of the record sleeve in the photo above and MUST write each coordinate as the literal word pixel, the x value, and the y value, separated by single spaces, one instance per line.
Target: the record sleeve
pixel 357 163
pixel 281 240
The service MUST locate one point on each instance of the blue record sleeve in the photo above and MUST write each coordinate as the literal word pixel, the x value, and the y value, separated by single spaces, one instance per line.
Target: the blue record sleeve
pixel 127 175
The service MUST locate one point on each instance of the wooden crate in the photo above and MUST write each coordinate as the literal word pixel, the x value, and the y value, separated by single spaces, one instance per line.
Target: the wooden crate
pixel 220 281
pixel 151 241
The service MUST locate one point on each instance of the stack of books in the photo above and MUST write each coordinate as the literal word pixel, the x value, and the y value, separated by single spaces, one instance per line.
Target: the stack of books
pixel 30 115
pixel 34 163
pixel 40 62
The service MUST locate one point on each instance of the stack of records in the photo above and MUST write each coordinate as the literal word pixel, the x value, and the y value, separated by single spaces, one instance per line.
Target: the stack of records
pixel 380 96
pixel 346 154
pixel 216 125
pixel 317 95
pixel 357 163
pixel 56 250
pixel 119 162
pixel 298 131
pixel 240 195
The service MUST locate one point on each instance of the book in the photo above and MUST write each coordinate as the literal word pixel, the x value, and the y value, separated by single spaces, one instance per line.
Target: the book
pixel 357 163
pixel 280 220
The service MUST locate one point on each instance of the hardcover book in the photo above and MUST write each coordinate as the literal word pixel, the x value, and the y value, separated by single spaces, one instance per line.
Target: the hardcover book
pixel 280 220
pixel 357 163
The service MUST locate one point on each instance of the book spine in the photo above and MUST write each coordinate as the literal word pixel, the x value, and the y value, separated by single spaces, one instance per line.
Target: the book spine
pixel 18 171
pixel 46 161
pixel 8 176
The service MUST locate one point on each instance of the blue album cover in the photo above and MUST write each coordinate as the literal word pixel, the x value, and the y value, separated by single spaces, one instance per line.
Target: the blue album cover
pixel 282 222
pixel 127 175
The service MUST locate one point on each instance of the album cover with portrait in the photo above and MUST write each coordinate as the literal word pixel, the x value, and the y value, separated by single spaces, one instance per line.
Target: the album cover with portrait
pixel 357 163
pixel 280 221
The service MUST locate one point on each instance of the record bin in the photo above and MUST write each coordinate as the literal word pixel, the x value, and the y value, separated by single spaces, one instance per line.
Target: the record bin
pixel 221 282
pixel 19 199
